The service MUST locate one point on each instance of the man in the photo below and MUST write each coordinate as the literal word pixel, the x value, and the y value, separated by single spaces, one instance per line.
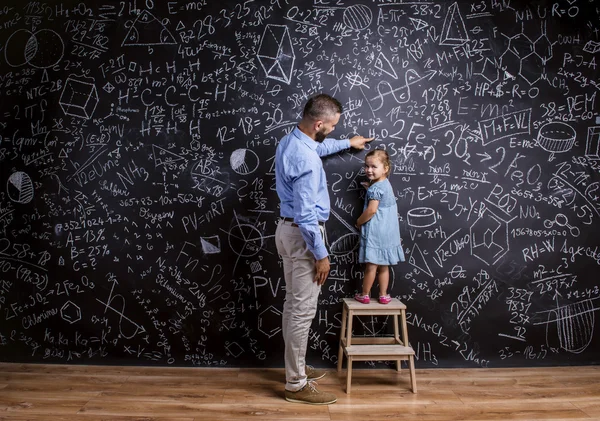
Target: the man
pixel 302 189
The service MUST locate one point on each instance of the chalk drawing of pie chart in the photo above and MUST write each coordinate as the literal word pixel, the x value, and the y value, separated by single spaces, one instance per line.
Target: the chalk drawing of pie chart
pixel 20 187
pixel 42 49
pixel 245 240
pixel 244 161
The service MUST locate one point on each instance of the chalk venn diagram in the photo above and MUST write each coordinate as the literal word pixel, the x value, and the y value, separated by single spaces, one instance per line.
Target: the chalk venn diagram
pixel 41 49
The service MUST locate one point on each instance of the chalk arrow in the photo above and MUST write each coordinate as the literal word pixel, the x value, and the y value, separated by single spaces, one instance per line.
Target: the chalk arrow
pixel 485 155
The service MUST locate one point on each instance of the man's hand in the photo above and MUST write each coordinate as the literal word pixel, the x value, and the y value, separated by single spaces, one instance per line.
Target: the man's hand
pixel 358 142
pixel 322 267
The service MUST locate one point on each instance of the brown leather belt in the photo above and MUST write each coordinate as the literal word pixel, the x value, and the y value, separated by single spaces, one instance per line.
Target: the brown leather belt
pixel 321 223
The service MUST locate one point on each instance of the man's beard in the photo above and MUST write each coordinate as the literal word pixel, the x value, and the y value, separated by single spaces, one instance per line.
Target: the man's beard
pixel 320 136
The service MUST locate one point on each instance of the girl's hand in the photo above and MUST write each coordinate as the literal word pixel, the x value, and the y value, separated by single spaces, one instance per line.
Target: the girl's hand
pixel 365 184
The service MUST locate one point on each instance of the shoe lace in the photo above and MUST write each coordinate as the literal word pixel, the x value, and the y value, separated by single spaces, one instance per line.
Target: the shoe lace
pixel 313 386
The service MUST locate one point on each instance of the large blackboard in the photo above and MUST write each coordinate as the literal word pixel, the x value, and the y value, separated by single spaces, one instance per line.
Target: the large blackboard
pixel 138 210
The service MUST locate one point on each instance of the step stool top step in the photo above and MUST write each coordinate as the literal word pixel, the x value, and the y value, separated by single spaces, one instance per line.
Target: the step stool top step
pixel 395 304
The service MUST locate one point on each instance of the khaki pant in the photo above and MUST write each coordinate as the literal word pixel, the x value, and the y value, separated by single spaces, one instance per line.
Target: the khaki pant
pixel 300 306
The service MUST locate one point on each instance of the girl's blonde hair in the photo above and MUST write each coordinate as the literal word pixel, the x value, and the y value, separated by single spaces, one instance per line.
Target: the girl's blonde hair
pixel 383 157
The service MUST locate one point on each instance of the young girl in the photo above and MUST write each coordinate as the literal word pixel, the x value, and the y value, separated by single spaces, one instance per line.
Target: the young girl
pixel 380 233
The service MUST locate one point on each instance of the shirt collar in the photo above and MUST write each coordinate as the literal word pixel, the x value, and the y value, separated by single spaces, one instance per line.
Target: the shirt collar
pixel 300 135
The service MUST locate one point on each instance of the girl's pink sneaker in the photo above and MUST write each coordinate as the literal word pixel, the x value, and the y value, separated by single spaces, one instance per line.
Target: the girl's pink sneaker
pixel 385 299
pixel 362 298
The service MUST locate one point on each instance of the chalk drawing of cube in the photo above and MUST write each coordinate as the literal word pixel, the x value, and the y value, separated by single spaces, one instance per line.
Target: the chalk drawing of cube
pixel 592 146
pixel 276 53
pixel 592 47
pixel 79 98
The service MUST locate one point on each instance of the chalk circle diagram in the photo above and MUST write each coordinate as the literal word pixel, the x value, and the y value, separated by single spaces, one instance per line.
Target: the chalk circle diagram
pixel 357 17
pixel 146 29
pixel 421 217
pixel 20 187
pixel 245 239
pixel 41 49
pixel 556 137
pixel 244 161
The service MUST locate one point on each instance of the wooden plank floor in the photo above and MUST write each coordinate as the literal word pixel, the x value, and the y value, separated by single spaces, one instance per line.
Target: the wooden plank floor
pixel 99 393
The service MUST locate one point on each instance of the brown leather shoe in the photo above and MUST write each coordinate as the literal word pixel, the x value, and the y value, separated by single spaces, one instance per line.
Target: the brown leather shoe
pixel 310 394
pixel 313 374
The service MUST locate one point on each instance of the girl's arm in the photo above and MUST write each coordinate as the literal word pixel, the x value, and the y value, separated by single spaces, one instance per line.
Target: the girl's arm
pixel 369 212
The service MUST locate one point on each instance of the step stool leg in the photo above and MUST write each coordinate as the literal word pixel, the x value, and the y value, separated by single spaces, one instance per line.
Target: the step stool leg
pixel 349 376
pixel 342 339
pixel 349 328
pixel 404 329
pixel 397 338
pixel 413 377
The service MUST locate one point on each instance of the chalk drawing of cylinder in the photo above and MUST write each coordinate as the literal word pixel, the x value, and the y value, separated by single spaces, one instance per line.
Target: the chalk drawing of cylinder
pixel 79 98
pixel 421 217
pixel 575 324
pixel 556 137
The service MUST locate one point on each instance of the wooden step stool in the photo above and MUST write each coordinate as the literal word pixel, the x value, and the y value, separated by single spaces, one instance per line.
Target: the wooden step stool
pixel 374 348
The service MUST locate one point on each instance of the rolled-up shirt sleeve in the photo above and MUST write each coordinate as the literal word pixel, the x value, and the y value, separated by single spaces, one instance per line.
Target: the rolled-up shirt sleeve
pixel 305 190
pixel 330 146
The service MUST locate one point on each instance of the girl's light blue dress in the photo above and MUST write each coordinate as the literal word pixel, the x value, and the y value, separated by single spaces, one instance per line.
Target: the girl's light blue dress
pixel 380 237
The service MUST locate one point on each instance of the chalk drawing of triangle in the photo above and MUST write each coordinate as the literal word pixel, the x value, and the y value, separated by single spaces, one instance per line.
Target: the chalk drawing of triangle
pixel 382 63
pixel 454 31
pixel 418 23
pixel 164 157
pixel 355 184
pixel 211 245
pixel 147 30
pixel 418 260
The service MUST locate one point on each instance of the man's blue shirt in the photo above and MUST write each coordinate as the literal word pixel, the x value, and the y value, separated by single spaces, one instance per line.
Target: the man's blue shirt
pixel 302 185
